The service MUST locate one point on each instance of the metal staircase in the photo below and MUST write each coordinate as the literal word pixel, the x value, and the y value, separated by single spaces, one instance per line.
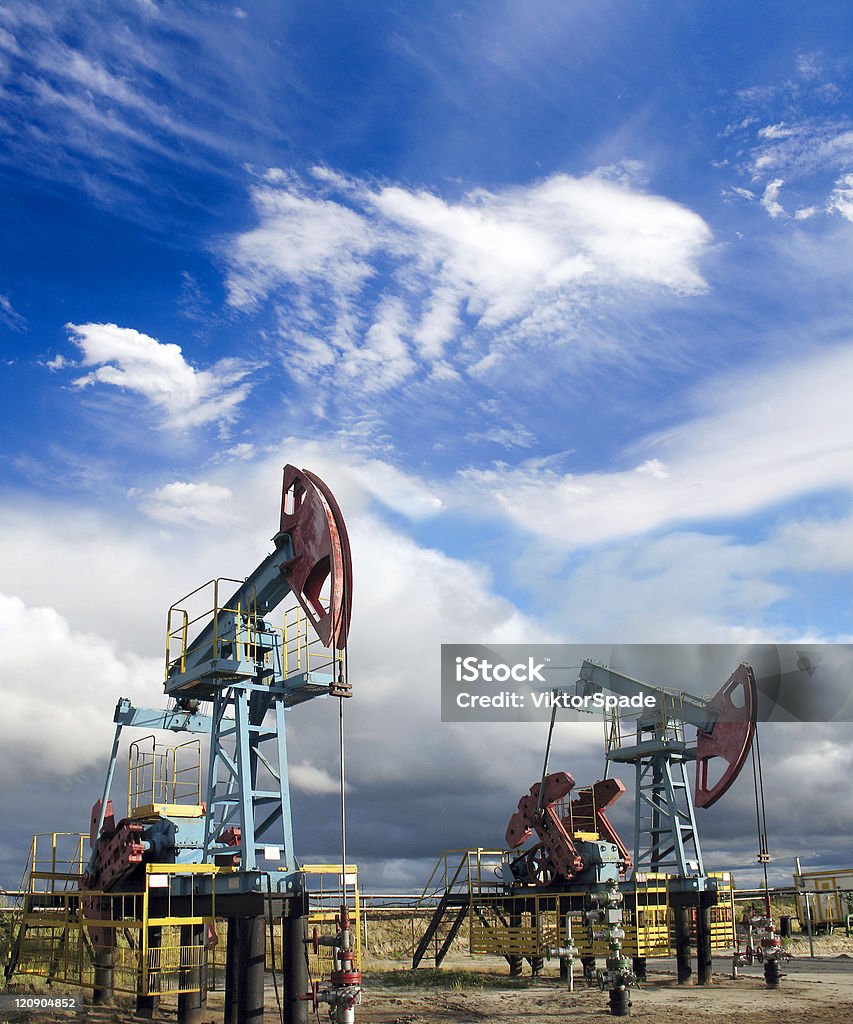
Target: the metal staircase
pixel 455 888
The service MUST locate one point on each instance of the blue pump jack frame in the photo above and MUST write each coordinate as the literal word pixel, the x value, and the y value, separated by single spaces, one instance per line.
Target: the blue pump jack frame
pixel 246 729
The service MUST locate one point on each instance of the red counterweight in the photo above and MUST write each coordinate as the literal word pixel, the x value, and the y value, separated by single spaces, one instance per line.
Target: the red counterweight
pixel 321 554
pixel 730 737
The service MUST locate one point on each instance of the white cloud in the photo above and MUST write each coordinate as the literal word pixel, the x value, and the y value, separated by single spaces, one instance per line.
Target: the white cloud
pixel 515 436
pixel 395 489
pixel 770 199
pixel 9 316
pixel 188 504
pixel 801 151
pixel 654 468
pixel 112 573
pixel 812 545
pixel 801 148
pixel 384 282
pixel 244 451
pixel 127 359
pixel 301 240
pixel 841 199
pixel 118 573
pixel 760 440
pixel 306 777
pixel 381 361
pixel 501 250
pixel 58 689
pixel 776 131
pixel 808 65
pixel 742 193
pixel 683 587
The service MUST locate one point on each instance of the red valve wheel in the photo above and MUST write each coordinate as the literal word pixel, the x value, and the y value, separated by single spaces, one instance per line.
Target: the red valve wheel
pixel 539 867
pixel 312 997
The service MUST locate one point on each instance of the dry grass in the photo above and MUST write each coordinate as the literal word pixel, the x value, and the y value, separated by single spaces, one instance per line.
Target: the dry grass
pixel 388 933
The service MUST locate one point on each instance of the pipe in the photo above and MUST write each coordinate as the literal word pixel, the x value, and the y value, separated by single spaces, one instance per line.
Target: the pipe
pixel 252 956
pixel 232 971
pixel 103 994
pixel 682 945
pixel 704 963
pixel 295 957
pixel 191 1005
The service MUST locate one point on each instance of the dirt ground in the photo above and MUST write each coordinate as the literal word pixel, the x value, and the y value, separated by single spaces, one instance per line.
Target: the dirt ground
pixel 470 989
pixel 818 991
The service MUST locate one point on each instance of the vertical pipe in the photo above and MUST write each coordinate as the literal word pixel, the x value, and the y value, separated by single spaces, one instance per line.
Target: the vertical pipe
pixel 295 966
pixel 562 910
pixel 704 964
pixel 589 969
pixel 682 943
pixel 801 884
pixel 516 963
pixel 250 1009
pixel 536 962
pixel 232 970
pixel 103 988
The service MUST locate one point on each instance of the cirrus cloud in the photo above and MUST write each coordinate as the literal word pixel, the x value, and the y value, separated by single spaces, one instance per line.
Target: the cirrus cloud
pixel 377 285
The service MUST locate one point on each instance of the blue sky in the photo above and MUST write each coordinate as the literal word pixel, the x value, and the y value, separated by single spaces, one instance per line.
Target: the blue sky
pixel 554 295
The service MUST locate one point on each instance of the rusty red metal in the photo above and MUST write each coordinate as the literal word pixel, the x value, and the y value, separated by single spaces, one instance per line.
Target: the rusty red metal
pixel 120 849
pixel 556 841
pixel 591 805
pixel 109 820
pixel 557 855
pixel 231 836
pixel 321 554
pixel 96 908
pixel 730 737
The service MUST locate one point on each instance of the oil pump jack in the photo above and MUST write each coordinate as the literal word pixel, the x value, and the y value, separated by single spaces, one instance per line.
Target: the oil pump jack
pixel 227 852
pixel 578 847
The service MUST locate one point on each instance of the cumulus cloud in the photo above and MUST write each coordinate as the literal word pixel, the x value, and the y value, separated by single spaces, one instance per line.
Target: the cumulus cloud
pixel 409 598
pixel 189 504
pixel 127 359
pixel 757 442
pixel 58 688
pixel 308 778
pixel 385 281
